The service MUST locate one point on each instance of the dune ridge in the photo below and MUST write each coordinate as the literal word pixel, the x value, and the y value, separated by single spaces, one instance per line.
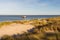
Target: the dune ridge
pixel 14 29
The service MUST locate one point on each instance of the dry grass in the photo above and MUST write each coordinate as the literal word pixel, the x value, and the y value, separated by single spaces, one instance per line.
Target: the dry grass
pixel 42 27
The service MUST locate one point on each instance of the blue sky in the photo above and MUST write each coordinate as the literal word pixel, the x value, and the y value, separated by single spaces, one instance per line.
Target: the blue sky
pixel 29 7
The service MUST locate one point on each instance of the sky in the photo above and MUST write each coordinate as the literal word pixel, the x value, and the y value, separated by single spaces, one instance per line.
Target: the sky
pixel 29 7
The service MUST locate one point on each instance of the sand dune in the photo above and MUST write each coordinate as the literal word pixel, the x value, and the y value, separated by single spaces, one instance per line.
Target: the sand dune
pixel 14 29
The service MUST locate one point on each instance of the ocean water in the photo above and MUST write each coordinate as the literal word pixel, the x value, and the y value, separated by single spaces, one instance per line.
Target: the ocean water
pixel 19 17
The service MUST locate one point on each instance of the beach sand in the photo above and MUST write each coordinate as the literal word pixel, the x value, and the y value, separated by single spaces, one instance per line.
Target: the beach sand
pixel 14 29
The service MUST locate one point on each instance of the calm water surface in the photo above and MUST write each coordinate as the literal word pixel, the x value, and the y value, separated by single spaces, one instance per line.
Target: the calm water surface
pixel 19 17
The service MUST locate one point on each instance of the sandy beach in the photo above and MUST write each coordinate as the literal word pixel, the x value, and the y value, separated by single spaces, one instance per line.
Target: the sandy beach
pixel 14 29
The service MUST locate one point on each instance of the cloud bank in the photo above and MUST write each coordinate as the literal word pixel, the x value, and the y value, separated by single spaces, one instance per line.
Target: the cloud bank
pixel 29 7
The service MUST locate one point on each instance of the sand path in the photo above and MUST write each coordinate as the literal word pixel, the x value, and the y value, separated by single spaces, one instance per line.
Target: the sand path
pixel 14 29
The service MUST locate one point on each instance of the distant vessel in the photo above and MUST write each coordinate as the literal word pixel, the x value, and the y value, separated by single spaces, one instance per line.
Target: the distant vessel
pixel 24 17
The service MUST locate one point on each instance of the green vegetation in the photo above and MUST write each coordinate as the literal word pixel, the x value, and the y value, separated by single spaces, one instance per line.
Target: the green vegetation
pixel 4 23
pixel 6 37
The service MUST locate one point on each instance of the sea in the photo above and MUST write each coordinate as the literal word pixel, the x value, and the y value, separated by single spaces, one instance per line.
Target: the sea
pixel 19 17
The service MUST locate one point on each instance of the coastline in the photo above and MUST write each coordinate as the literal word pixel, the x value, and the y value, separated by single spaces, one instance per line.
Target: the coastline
pixel 18 25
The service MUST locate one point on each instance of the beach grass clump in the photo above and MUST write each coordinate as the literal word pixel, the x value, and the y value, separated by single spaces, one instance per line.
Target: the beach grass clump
pixel 5 23
pixel 21 22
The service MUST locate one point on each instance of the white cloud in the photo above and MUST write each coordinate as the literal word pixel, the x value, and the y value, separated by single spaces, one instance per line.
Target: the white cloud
pixel 28 7
pixel 30 12
pixel 7 6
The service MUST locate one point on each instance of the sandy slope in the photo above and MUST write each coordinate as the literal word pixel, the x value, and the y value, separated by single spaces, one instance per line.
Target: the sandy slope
pixel 14 29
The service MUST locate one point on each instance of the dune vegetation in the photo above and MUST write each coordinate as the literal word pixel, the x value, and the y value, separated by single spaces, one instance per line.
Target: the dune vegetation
pixel 44 29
